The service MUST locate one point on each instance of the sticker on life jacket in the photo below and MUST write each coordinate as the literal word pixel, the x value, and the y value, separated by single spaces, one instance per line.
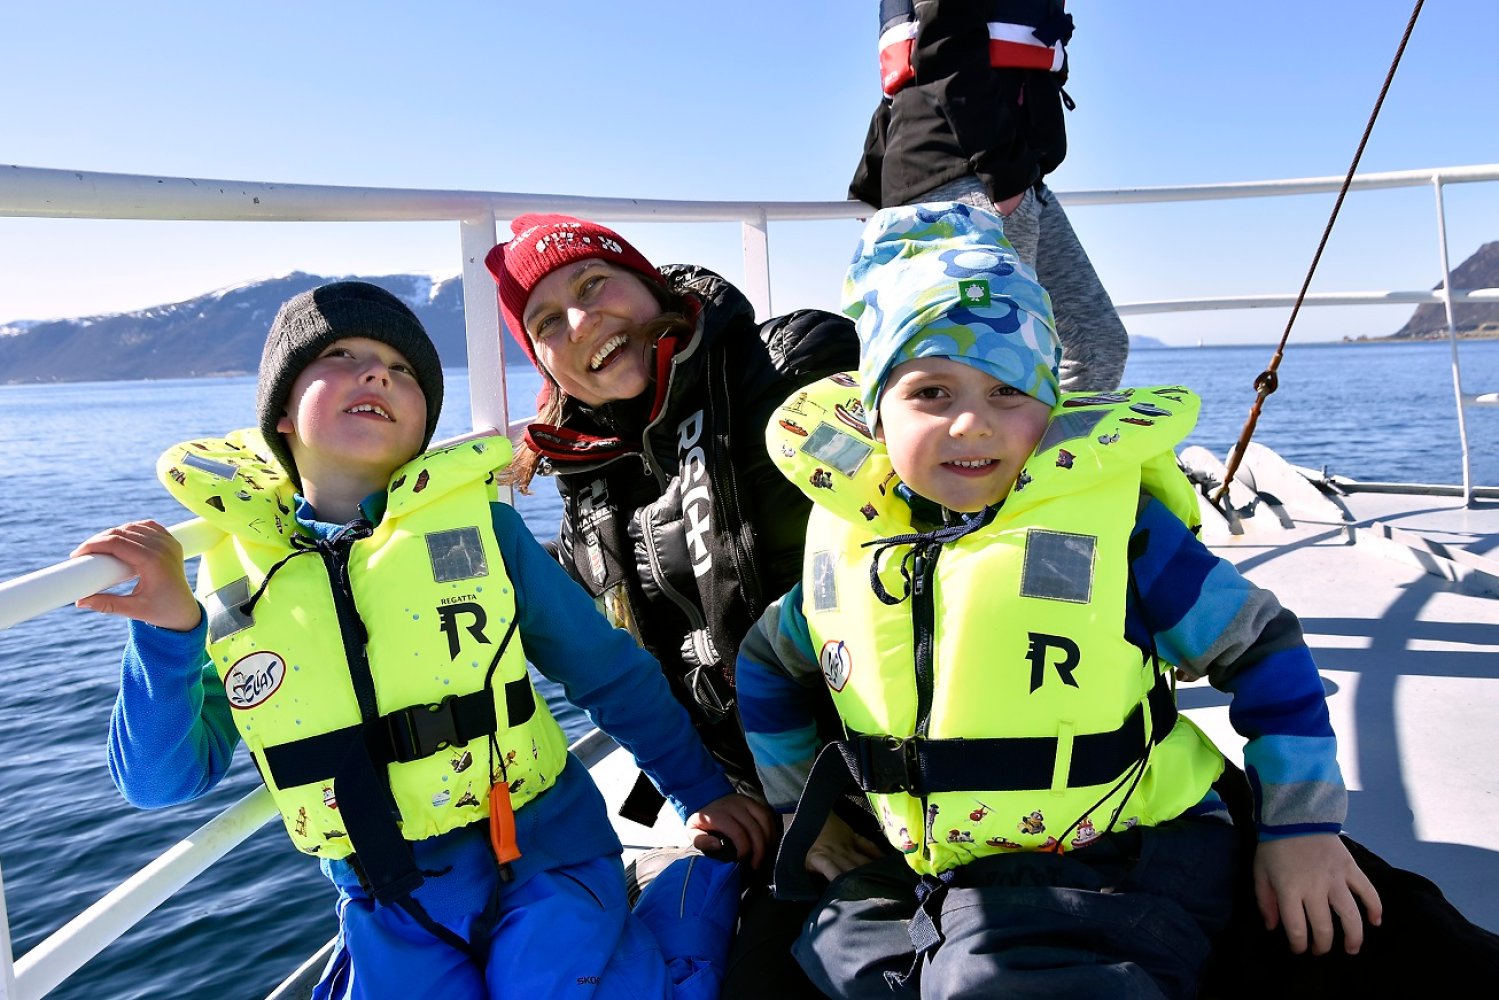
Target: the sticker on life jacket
pixel 254 678
pixel 1058 566
pixel 456 554
pixel 837 663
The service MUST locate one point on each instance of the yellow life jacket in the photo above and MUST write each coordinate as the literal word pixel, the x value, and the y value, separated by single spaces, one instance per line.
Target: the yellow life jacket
pixel 990 695
pixel 401 636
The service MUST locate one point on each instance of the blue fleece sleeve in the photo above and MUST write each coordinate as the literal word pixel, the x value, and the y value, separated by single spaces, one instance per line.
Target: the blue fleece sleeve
pixel 1208 619
pixel 779 682
pixel 171 735
pixel 604 672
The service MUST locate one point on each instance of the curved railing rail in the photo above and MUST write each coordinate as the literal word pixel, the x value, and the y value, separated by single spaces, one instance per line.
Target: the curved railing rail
pixel 45 193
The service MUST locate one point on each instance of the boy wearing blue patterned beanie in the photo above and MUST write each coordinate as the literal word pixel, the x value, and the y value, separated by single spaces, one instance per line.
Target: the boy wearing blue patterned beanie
pixel 957 335
pixel 998 585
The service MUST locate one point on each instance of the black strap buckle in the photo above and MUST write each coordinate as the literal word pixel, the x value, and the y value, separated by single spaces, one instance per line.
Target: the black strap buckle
pixel 422 730
pixel 886 765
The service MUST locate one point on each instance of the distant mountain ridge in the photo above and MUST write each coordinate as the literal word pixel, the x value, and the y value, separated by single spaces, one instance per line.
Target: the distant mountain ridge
pixel 1481 270
pixel 220 333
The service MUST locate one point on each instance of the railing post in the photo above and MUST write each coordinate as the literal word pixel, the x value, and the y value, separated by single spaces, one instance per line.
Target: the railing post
pixel 1457 373
pixel 481 320
pixel 7 960
pixel 756 239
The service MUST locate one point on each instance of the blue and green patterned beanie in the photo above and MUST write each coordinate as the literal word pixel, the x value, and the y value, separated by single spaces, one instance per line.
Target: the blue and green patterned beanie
pixel 941 281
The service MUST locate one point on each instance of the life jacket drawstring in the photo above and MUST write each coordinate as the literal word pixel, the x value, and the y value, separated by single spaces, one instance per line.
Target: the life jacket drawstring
pixel 348 533
pixel 919 542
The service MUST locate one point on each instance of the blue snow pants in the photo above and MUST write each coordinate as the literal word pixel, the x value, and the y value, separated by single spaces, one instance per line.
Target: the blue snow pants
pixel 566 932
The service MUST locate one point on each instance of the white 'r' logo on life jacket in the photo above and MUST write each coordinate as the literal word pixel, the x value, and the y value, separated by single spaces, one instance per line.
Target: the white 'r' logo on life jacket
pixel 697 505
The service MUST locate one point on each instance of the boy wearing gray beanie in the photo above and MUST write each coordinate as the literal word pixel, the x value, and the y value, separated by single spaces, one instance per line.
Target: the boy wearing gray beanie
pixel 367 624
pixel 999 583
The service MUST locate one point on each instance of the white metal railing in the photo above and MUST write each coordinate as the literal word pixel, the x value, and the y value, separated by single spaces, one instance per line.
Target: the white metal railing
pixel 43 193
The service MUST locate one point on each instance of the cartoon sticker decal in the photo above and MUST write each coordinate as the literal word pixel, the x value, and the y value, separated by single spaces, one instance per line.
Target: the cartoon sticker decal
pixel 852 414
pixel 1034 824
pixel 794 427
pixel 1065 458
pixel 1150 410
pixel 821 479
pixel 837 663
pixel 1096 399
pixel 1086 833
pixel 1137 421
pixel 253 679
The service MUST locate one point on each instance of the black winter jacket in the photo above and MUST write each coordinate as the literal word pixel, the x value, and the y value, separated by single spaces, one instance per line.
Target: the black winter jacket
pixel 959 115
pixel 693 526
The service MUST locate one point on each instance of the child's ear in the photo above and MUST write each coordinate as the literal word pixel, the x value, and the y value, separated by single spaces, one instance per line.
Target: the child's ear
pixel 879 431
pixel 284 425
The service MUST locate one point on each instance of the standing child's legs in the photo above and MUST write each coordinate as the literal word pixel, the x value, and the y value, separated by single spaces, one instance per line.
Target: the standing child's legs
pixel 1095 344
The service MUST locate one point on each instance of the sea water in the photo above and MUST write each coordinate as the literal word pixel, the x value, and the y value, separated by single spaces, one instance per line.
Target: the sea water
pixel 78 458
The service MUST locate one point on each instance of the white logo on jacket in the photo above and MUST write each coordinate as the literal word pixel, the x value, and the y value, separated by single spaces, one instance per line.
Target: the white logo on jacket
pixel 697 505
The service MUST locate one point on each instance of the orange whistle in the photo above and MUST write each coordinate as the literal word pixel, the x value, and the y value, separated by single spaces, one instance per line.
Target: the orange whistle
pixel 502 824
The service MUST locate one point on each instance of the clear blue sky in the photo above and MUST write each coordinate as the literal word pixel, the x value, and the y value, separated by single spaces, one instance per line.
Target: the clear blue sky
pixel 769 100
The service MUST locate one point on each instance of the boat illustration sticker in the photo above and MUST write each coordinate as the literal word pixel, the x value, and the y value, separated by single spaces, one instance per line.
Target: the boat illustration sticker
pixel 456 554
pixel 852 414
pixel 254 678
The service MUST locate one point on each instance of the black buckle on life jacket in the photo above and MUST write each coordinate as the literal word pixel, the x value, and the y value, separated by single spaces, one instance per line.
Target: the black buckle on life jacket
pixel 885 765
pixel 422 730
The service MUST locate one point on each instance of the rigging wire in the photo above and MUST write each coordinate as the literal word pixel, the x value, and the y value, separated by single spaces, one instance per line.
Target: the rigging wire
pixel 1267 381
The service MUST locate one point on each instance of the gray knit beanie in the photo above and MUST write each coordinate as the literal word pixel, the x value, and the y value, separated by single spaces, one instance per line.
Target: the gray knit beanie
pixel 309 322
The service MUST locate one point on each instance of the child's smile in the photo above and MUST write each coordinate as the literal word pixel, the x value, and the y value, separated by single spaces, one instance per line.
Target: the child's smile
pixel 356 408
pixel 955 434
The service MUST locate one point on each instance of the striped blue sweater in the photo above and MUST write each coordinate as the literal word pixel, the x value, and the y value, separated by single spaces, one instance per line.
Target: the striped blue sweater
pixel 1205 618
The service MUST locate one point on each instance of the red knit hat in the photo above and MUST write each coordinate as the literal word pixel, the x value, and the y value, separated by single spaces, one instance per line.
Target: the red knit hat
pixel 541 244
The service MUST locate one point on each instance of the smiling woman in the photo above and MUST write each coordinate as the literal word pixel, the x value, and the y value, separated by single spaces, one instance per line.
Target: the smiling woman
pixel 657 385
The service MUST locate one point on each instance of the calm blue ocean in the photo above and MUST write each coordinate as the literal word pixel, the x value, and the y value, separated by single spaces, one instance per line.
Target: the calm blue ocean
pixel 77 458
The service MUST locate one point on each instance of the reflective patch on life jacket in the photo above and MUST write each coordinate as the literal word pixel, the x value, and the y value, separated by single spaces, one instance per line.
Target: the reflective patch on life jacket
pixel 456 554
pixel 1058 566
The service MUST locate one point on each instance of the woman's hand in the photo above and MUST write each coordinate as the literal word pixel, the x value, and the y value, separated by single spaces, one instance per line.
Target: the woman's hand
pixel 161 596
pixel 737 819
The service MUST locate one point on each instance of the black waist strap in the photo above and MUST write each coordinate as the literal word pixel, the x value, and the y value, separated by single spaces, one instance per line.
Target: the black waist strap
pixel 401 736
pixel 886 765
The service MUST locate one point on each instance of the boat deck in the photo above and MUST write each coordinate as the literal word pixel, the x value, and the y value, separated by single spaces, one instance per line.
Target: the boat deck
pixel 1398 594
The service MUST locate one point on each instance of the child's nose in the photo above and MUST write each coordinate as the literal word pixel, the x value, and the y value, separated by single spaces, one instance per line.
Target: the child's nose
pixel 968 422
pixel 377 370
